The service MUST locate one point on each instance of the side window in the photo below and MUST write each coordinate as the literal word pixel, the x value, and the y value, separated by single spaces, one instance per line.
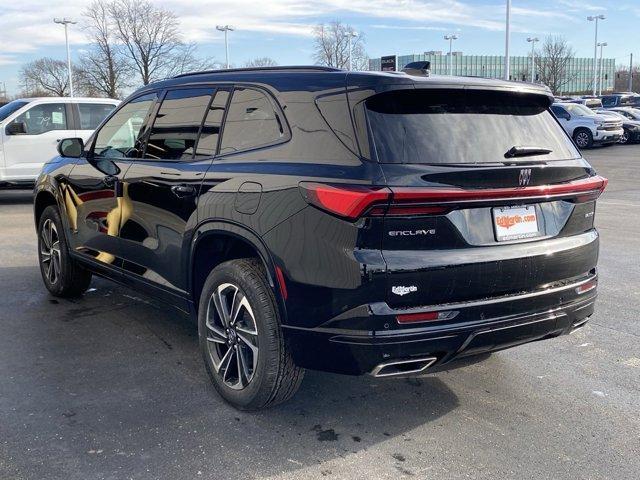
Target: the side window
pixel 118 137
pixel 44 118
pixel 91 114
pixel 208 141
pixel 175 130
pixel 251 122
pixel 559 112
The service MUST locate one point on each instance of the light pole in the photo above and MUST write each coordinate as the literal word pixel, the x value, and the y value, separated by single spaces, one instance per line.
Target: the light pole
pixel 601 45
pixel 533 41
pixel 451 38
pixel 350 35
pixel 226 29
pixel 66 22
pixel 506 42
pixel 595 51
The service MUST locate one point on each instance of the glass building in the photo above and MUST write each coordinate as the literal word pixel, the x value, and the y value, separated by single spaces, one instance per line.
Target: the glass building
pixel 579 72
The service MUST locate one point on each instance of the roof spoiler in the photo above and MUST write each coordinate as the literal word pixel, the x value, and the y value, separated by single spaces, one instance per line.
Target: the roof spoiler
pixel 421 69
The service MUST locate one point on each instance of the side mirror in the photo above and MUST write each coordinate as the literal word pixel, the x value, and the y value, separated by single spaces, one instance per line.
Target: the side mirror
pixel 71 147
pixel 17 128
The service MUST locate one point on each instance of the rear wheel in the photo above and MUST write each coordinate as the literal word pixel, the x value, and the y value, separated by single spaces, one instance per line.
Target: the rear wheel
pixel 241 337
pixel 62 275
pixel 583 138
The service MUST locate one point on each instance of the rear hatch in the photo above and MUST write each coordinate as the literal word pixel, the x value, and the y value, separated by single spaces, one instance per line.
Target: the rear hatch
pixel 489 195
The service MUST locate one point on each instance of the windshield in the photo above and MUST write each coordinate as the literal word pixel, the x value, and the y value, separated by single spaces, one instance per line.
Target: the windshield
pixel 11 107
pixel 454 126
pixel 575 109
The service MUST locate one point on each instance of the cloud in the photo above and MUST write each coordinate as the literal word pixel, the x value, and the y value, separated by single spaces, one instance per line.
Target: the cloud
pixel 28 25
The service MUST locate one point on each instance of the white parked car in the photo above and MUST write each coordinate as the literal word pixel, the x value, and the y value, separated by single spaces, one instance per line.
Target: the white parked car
pixel 586 127
pixel 30 129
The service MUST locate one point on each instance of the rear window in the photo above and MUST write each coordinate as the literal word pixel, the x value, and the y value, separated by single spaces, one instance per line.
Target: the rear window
pixel 454 126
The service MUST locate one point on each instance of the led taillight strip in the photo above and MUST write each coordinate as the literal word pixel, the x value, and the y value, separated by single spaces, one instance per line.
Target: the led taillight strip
pixel 352 201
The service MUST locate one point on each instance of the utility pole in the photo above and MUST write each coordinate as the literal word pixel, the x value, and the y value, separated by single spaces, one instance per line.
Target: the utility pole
pixel 631 73
pixel 533 41
pixel 66 22
pixel 506 44
pixel 349 36
pixel 226 29
pixel 451 38
pixel 595 51
pixel 601 45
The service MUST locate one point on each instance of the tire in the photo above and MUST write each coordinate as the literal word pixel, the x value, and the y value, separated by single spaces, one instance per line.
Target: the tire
pixel 625 139
pixel 246 358
pixel 62 275
pixel 583 138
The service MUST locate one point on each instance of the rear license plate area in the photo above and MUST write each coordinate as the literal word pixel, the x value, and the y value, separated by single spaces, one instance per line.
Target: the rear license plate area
pixel 515 223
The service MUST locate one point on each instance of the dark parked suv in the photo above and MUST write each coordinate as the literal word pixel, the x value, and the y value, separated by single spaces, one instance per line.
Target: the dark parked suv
pixel 380 223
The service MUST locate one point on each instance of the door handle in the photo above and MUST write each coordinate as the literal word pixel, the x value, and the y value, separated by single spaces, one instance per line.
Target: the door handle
pixel 183 190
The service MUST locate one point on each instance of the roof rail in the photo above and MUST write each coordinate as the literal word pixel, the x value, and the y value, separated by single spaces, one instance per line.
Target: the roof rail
pixel 318 68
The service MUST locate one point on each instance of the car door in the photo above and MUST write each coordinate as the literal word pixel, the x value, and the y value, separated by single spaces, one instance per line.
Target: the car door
pixel 44 124
pixel 163 187
pixel 96 198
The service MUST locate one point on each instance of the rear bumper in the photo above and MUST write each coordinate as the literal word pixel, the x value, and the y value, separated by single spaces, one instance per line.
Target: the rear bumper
pixel 484 326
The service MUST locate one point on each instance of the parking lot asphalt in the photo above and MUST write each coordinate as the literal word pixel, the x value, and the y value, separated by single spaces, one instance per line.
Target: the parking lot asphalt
pixel 111 386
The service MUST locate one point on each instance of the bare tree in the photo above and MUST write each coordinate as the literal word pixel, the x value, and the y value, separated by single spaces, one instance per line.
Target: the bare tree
pixel 104 69
pixel 261 62
pixel 622 79
pixel 331 45
pixel 45 75
pixel 552 63
pixel 152 40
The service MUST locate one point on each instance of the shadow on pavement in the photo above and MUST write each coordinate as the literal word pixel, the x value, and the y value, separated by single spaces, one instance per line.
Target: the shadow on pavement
pixel 116 373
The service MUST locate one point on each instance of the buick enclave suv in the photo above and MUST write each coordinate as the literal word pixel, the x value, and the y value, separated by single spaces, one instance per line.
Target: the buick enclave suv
pixel 379 223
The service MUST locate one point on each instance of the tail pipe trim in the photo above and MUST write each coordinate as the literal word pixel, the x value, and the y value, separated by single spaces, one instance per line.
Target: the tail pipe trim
pixel 403 367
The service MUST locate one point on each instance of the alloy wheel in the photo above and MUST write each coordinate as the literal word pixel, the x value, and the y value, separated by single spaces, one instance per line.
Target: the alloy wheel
pixel 625 137
pixel 232 336
pixel 582 139
pixel 50 251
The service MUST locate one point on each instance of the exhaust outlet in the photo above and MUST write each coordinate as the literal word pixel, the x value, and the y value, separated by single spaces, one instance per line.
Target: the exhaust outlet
pixel 403 367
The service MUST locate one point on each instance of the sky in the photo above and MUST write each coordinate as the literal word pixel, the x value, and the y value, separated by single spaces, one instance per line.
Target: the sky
pixel 282 29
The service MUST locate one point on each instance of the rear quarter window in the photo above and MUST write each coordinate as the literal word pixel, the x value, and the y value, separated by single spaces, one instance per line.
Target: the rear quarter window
pixel 92 114
pixel 454 126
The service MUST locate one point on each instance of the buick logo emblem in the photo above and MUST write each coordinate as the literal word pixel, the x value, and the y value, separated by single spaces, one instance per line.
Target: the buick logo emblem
pixel 525 177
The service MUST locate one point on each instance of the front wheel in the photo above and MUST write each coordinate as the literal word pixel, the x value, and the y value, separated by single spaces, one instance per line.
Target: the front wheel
pixel 241 338
pixel 583 138
pixel 62 275
pixel 625 138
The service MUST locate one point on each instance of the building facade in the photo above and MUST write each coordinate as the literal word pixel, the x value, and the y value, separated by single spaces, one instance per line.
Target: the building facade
pixel 579 72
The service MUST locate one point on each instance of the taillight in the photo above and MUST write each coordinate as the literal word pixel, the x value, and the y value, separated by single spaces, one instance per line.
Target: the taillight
pixel 353 201
pixel 590 187
pixel 348 201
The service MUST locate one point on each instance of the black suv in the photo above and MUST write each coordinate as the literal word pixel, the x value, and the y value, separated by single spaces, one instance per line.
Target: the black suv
pixel 380 223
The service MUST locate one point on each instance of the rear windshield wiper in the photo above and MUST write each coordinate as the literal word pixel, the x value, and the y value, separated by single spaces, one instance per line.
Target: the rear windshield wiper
pixel 519 151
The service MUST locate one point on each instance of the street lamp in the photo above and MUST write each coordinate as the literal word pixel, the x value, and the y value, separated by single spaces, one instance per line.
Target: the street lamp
pixel 506 42
pixel 451 38
pixel 66 22
pixel 532 41
pixel 226 29
pixel 350 35
pixel 601 45
pixel 595 51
